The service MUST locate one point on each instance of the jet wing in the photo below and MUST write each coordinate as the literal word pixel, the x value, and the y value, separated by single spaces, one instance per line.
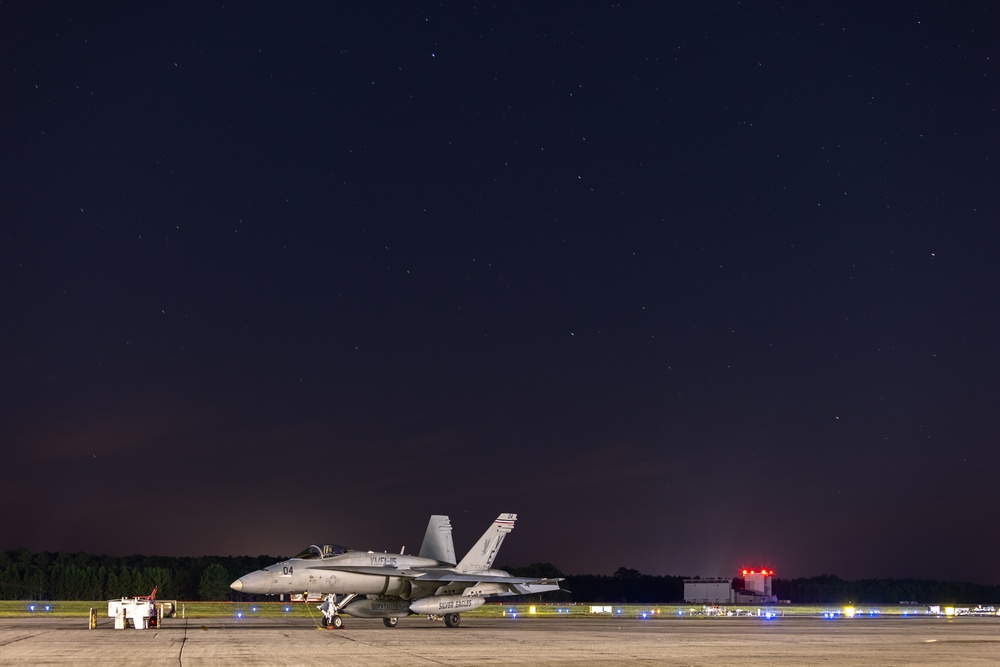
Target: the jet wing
pixel 435 575
pixel 378 570
pixel 446 576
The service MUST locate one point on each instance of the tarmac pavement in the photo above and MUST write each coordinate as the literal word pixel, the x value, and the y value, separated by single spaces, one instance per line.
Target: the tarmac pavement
pixel 479 641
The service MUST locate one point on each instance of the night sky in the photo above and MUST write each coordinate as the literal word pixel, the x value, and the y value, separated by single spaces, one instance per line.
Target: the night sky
pixel 687 286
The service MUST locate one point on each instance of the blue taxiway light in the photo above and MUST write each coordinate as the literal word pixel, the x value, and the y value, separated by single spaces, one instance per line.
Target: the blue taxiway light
pixel 287 609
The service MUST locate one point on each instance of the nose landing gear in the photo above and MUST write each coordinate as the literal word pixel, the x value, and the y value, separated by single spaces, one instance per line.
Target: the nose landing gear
pixel 331 610
pixel 336 622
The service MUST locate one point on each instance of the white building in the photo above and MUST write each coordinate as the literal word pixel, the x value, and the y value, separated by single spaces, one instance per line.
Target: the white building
pixel 754 588
pixel 709 591
pixel 758 581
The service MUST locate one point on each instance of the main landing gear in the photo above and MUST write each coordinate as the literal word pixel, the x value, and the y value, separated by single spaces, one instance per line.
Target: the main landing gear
pixel 390 622
pixel 331 610
pixel 451 620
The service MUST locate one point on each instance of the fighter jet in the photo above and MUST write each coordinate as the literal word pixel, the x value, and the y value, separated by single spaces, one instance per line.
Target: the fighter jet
pixel 388 586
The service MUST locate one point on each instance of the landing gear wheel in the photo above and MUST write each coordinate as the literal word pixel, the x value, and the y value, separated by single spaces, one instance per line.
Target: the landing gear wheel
pixel 337 622
pixel 452 620
pixel 390 622
pixel 324 622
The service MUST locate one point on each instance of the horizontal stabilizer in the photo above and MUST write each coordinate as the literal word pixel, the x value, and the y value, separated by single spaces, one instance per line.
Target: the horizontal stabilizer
pixel 531 589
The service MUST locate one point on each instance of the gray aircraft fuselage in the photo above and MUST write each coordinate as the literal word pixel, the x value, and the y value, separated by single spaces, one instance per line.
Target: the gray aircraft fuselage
pixel 325 575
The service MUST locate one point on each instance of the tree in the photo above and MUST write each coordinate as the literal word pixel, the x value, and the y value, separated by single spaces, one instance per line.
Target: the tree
pixel 533 570
pixel 627 574
pixel 214 583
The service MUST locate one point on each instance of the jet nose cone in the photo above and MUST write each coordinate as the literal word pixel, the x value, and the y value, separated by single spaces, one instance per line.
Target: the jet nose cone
pixel 237 585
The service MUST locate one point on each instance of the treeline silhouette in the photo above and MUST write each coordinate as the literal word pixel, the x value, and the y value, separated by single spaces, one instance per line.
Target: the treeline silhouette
pixel 79 576
pixel 832 589
pixel 628 585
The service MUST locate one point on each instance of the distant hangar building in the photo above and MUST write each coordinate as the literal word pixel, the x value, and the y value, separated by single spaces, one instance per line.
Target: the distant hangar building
pixel 753 588
pixel 708 591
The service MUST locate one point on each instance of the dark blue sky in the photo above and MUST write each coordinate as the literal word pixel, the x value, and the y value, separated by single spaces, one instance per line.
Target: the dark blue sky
pixel 686 287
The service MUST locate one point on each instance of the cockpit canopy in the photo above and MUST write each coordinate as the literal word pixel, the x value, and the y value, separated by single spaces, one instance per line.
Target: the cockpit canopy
pixel 314 551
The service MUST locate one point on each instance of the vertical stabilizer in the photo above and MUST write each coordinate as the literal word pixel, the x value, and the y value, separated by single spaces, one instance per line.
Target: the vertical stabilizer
pixel 437 540
pixel 481 556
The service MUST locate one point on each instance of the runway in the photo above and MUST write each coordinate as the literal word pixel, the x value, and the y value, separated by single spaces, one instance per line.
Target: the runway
pixel 483 641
